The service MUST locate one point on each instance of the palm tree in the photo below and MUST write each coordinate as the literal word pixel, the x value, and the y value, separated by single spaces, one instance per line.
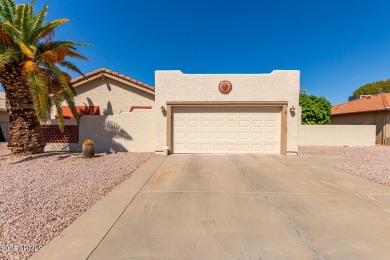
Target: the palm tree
pixel 31 72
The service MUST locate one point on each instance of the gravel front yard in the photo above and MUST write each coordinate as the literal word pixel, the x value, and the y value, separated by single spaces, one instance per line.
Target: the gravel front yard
pixel 40 195
pixel 375 161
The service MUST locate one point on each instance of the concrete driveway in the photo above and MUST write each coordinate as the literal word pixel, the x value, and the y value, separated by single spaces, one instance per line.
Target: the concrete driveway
pixel 236 207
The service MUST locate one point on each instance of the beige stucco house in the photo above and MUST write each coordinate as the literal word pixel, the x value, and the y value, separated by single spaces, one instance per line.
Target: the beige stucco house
pixel 183 113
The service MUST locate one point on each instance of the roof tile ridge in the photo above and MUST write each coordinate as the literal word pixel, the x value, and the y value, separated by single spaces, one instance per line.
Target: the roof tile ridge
pixel 359 99
pixel 114 73
pixel 348 102
pixel 386 103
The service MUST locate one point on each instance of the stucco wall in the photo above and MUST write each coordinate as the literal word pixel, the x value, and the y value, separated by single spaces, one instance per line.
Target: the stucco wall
pixel 381 119
pixel 276 86
pixel 110 95
pixel 337 135
pixel 126 132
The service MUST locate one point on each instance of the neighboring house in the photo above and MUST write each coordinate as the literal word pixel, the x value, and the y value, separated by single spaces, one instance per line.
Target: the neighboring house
pixel 4 119
pixel 368 110
pixel 106 92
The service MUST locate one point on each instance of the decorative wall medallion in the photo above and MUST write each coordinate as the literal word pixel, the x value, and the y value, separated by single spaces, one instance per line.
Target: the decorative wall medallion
pixel 225 87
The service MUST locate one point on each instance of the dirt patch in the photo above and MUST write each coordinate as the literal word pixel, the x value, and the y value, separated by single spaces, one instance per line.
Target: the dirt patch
pixel 375 161
pixel 40 195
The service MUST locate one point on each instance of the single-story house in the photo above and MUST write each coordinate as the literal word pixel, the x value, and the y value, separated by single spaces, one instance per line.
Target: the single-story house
pixel 184 113
pixel 368 110
pixel 4 119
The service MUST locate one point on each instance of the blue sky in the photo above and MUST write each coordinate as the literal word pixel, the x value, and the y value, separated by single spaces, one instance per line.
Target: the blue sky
pixel 337 45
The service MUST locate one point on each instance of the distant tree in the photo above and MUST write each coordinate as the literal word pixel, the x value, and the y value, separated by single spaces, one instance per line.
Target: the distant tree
pixel 382 86
pixel 315 110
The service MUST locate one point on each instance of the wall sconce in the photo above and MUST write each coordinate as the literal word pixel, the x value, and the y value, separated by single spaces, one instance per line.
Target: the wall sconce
pixel 162 109
pixel 292 109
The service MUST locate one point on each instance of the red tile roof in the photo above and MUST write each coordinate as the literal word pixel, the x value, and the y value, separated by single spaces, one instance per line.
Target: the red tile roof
pixel 115 74
pixel 367 104
pixel 81 110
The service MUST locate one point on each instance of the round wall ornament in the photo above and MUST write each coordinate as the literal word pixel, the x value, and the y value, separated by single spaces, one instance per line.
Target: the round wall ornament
pixel 225 87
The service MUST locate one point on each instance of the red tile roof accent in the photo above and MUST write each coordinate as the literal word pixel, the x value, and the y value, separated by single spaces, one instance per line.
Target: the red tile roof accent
pixel 81 110
pixel 378 102
pixel 113 73
pixel 139 107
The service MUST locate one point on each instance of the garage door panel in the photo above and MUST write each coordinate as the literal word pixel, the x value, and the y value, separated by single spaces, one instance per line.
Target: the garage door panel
pixel 180 122
pixel 180 135
pixel 219 147
pixel 231 123
pixel 244 123
pixel 269 148
pixel 257 148
pixel 180 146
pixel 231 129
pixel 193 123
pixel 205 147
pixel 193 147
pixel 231 147
pixel 193 135
pixel 206 135
pixel 257 136
pixel 270 136
pixel 220 135
pixel 257 123
pixel 245 136
pixel 243 147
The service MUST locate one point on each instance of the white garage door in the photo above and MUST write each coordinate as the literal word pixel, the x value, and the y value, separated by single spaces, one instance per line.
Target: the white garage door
pixel 226 130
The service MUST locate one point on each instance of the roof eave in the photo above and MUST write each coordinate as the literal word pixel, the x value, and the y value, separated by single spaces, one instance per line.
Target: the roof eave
pixel 360 112
pixel 102 73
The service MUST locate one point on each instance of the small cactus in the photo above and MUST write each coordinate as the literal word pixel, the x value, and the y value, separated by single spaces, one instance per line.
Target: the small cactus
pixel 88 149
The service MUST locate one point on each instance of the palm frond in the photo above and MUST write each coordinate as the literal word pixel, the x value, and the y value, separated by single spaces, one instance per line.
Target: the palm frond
pixel 76 55
pixel 4 38
pixel 71 87
pixel 8 8
pixel 39 90
pixel 61 119
pixel 22 17
pixel 39 18
pixel 72 67
pixel 46 29
pixel 11 30
pixel 28 50
pixel 63 79
pixel 26 22
pixel 6 57
pixel 69 100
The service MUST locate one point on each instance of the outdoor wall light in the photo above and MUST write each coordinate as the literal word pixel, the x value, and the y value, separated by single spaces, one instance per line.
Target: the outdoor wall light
pixel 162 109
pixel 292 109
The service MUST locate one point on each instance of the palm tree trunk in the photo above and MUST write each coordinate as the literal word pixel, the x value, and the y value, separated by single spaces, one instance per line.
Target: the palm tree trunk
pixel 25 129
